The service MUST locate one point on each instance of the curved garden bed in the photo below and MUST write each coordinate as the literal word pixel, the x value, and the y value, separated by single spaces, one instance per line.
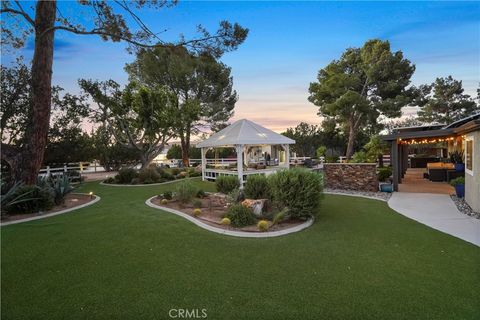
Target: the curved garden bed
pixel 73 201
pixel 211 220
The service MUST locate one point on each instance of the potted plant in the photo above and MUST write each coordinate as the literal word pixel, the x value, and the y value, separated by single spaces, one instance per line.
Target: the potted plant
pixel 456 157
pixel 384 176
pixel 459 184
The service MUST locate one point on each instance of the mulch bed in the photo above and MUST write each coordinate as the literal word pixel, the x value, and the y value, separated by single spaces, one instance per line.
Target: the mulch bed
pixel 214 208
pixel 72 200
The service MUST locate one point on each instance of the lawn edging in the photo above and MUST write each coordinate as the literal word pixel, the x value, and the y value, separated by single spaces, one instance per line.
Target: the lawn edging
pixel 145 185
pixel 354 195
pixel 241 234
pixel 97 198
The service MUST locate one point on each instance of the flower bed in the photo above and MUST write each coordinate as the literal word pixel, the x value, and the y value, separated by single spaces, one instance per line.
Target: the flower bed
pixel 286 199
pixel 214 208
pixel 71 202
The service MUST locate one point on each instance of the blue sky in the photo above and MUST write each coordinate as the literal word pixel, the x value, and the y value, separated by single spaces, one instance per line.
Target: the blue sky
pixel 289 42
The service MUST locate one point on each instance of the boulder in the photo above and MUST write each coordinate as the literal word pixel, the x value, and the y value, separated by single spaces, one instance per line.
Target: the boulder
pixel 257 205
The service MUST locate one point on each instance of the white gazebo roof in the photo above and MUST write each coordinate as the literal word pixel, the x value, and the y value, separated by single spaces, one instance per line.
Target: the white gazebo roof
pixel 244 132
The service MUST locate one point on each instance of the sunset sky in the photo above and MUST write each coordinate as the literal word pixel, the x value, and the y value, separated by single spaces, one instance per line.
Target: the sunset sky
pixel 288 43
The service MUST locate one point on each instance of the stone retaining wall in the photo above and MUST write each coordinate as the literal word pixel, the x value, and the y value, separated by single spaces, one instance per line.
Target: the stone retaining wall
pixel 351 176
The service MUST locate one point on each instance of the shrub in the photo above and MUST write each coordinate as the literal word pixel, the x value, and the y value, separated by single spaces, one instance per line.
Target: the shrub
pixel 35 199
pixel 359 157
pixel 262 225
pixel 197 212
pixel 240 216
pixel 321 151
pixel 256 187
pixel 175 171
pixel 109 180
pixel 226 221
pixel 164 201
pixel 168 195
pixel 167 176
pixel 279 217
pixel 226 184
pixel 148 175
pixel 297 189
pixel 201 194
pixel 332 159
pixel 185 191
pixel 384 173
pixel 196 203
pixel 135 181
pixel 235 196
pixel 193 173
pixel 457 181
pixel 126 175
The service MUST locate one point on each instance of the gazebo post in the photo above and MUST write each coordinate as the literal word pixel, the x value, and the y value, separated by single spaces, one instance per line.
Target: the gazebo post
pixel 204 163
pixel 286 147
pixel 239 150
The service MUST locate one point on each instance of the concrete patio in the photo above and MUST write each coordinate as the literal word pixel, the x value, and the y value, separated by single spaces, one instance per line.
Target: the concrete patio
pixel 438 212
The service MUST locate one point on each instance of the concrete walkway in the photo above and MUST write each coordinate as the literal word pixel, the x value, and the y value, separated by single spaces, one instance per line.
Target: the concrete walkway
pixel 438 212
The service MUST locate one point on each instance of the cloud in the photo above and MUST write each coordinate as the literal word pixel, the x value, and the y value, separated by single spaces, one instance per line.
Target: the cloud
pixel 58 44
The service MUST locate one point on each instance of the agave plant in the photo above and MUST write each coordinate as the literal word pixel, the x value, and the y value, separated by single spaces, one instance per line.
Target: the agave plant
pixel 11 197
pixel 456 157
pixel 61 186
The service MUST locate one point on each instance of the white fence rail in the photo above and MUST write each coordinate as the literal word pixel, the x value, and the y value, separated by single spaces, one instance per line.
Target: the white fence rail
pixel 82 167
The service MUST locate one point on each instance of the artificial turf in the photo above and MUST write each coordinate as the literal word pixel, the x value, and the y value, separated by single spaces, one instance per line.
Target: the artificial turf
pixel 119 259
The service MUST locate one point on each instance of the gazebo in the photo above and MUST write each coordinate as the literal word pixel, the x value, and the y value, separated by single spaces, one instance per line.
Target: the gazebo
pixel 258 149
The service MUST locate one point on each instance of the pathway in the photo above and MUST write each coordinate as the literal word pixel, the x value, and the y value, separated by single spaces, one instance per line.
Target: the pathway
pixel 438 212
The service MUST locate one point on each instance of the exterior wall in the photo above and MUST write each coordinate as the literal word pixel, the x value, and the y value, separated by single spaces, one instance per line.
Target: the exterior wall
pixel 351 176
pixel 472 178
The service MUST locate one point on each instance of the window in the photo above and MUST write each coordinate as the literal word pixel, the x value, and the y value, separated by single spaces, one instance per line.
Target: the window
pixel 469 156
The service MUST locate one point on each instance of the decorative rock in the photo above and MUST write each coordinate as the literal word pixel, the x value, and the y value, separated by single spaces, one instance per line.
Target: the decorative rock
pixel 378 195
pixel 256 205
pixel 218 200
pixel 464 208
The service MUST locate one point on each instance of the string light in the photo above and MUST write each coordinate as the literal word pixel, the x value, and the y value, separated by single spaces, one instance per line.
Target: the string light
pixel 426 141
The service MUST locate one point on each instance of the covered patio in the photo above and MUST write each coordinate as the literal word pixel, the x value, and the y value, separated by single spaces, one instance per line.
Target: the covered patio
pixel 429 172
pixel 258 151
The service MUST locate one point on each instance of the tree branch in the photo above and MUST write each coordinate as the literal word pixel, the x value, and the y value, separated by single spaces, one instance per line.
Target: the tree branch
pixel 22 13
pixel 191 43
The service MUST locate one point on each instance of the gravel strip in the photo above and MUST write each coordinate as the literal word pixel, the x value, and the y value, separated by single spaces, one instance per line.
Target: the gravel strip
pixel 464 208
pixel 378 195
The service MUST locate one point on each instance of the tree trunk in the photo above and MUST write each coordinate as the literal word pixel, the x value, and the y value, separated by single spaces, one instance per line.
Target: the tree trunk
pixel 36 136
pixel 351 139
pixel 144 160
pixel 185 144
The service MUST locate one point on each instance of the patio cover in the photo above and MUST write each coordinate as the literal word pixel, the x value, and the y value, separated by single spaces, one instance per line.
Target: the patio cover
pixel 244 132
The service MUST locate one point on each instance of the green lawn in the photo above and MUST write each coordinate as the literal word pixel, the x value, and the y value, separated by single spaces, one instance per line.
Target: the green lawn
pixel 120 259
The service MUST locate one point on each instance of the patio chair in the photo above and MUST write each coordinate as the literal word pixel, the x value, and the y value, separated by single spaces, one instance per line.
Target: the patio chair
pixel 437 175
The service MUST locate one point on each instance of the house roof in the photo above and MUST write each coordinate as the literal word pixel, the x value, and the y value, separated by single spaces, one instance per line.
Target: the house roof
pixel 244 132
pixel 468 124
